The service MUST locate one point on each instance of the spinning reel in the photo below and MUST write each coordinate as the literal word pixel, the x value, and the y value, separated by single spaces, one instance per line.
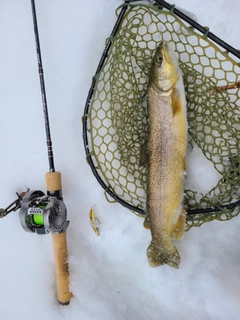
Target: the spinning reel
pixel 40 213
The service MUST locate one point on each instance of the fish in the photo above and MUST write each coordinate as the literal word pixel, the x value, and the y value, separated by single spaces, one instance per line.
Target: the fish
pixel 166 149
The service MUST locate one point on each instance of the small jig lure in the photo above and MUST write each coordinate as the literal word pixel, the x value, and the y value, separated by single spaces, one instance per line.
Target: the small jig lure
pixel 95 222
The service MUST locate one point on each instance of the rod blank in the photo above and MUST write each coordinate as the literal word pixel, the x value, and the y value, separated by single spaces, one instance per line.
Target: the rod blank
pixel 43 91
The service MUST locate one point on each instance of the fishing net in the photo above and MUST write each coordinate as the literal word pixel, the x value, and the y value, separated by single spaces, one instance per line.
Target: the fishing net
pixel 115 122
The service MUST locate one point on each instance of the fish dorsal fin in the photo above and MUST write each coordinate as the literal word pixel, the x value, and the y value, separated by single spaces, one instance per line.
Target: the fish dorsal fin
pixel 143 155
pixel 176 101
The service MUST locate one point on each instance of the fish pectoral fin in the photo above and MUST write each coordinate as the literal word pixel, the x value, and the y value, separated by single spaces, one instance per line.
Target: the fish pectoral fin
pixel 143 155
pixel 178 228
pixel 146 223
pixel 176 101
pixel 158 257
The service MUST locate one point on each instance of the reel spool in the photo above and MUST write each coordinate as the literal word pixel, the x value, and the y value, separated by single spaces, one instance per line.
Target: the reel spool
pixel 43 214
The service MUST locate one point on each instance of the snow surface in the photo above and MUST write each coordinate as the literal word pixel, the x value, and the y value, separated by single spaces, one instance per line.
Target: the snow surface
pixel 110 275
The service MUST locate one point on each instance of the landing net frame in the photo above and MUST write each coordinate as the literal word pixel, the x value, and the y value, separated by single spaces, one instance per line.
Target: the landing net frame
pixel 198 214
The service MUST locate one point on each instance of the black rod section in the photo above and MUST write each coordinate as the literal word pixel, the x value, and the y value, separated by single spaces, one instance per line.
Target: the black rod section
pixel 200 28
pixel 43 92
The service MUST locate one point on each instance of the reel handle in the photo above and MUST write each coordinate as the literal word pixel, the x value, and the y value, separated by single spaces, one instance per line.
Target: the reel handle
pixel 54 183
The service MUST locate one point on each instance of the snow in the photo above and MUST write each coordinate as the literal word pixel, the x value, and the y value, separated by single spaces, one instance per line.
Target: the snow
pixel 110 275
pixel 198 169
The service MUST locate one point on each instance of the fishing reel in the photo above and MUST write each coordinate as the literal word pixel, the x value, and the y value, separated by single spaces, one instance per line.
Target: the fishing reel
pixel 40 213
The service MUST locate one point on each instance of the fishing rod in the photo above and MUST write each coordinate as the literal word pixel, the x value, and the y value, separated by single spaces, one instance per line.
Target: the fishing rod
pixel 46 213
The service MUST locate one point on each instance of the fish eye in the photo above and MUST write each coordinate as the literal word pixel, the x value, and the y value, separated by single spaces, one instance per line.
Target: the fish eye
pixel 159 59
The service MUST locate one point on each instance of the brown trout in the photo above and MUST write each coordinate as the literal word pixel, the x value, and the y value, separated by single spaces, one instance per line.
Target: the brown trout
pixel 166 162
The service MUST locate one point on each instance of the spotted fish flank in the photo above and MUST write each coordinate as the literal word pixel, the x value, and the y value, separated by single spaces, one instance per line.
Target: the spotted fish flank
pixel 166 162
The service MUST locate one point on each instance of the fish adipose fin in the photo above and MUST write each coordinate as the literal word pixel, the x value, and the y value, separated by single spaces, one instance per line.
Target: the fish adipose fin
pixel 176 101
pixel 157 257
pixel 184 164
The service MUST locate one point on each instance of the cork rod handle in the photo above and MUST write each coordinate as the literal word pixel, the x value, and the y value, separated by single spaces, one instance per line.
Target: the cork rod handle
pixel 53 182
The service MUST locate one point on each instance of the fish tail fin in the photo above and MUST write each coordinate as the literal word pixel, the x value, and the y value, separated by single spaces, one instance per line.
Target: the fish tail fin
pixel 158 257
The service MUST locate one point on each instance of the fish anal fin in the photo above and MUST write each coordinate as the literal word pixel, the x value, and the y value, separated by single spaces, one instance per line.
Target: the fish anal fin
pixel 158 257
pixel 146 223
pixel 179 227
pixel 176 101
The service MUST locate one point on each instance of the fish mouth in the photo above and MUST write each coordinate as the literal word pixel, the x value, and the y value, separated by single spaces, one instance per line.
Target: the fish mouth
pixel 170 63
pixel 164 50
pixel 164 70
pixel 163 45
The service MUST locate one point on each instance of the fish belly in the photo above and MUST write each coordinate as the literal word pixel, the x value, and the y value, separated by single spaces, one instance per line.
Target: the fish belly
pixel 166 146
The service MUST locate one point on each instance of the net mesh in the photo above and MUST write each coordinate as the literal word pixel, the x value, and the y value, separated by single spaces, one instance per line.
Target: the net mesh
pixel 117 120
